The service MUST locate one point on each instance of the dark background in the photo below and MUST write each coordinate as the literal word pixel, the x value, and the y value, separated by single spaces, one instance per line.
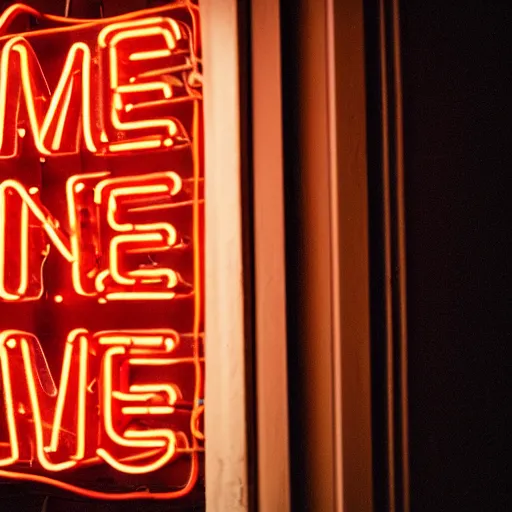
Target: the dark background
pixel 456 71
pixel 457 85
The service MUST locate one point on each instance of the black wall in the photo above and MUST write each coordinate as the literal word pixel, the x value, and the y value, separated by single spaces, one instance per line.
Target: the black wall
pixel 457 100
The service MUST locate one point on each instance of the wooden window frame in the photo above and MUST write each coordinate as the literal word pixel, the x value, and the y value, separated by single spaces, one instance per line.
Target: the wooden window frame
pixel 225 382
pixel 326 166
pixel 228 280
pixel 334 331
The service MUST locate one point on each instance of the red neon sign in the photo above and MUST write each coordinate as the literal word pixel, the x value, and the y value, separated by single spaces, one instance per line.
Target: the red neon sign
pixel 101 229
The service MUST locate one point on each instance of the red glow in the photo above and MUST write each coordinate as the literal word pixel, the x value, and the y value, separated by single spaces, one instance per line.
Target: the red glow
pixel 101 228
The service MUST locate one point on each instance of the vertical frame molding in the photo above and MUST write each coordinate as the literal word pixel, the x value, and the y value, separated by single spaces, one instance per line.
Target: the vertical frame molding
pixel 349 255
pixel 328 254
pixel 225 382
pixel 394 256
pixel 388 257
pixel 269 259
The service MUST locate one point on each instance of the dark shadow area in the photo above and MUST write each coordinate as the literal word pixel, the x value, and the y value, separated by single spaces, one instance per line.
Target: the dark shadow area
pixel 457 105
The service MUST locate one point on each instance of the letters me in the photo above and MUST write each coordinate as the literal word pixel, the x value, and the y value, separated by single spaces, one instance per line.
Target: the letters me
pixel 131 76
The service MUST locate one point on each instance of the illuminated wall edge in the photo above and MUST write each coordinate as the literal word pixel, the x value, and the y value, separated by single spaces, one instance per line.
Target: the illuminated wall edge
pixel 225 422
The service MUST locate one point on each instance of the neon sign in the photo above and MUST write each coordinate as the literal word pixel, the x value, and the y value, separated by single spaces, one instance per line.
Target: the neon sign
pixel 101 259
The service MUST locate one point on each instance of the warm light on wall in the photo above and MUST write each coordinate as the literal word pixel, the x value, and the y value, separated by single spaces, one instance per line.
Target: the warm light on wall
pixel 101 259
